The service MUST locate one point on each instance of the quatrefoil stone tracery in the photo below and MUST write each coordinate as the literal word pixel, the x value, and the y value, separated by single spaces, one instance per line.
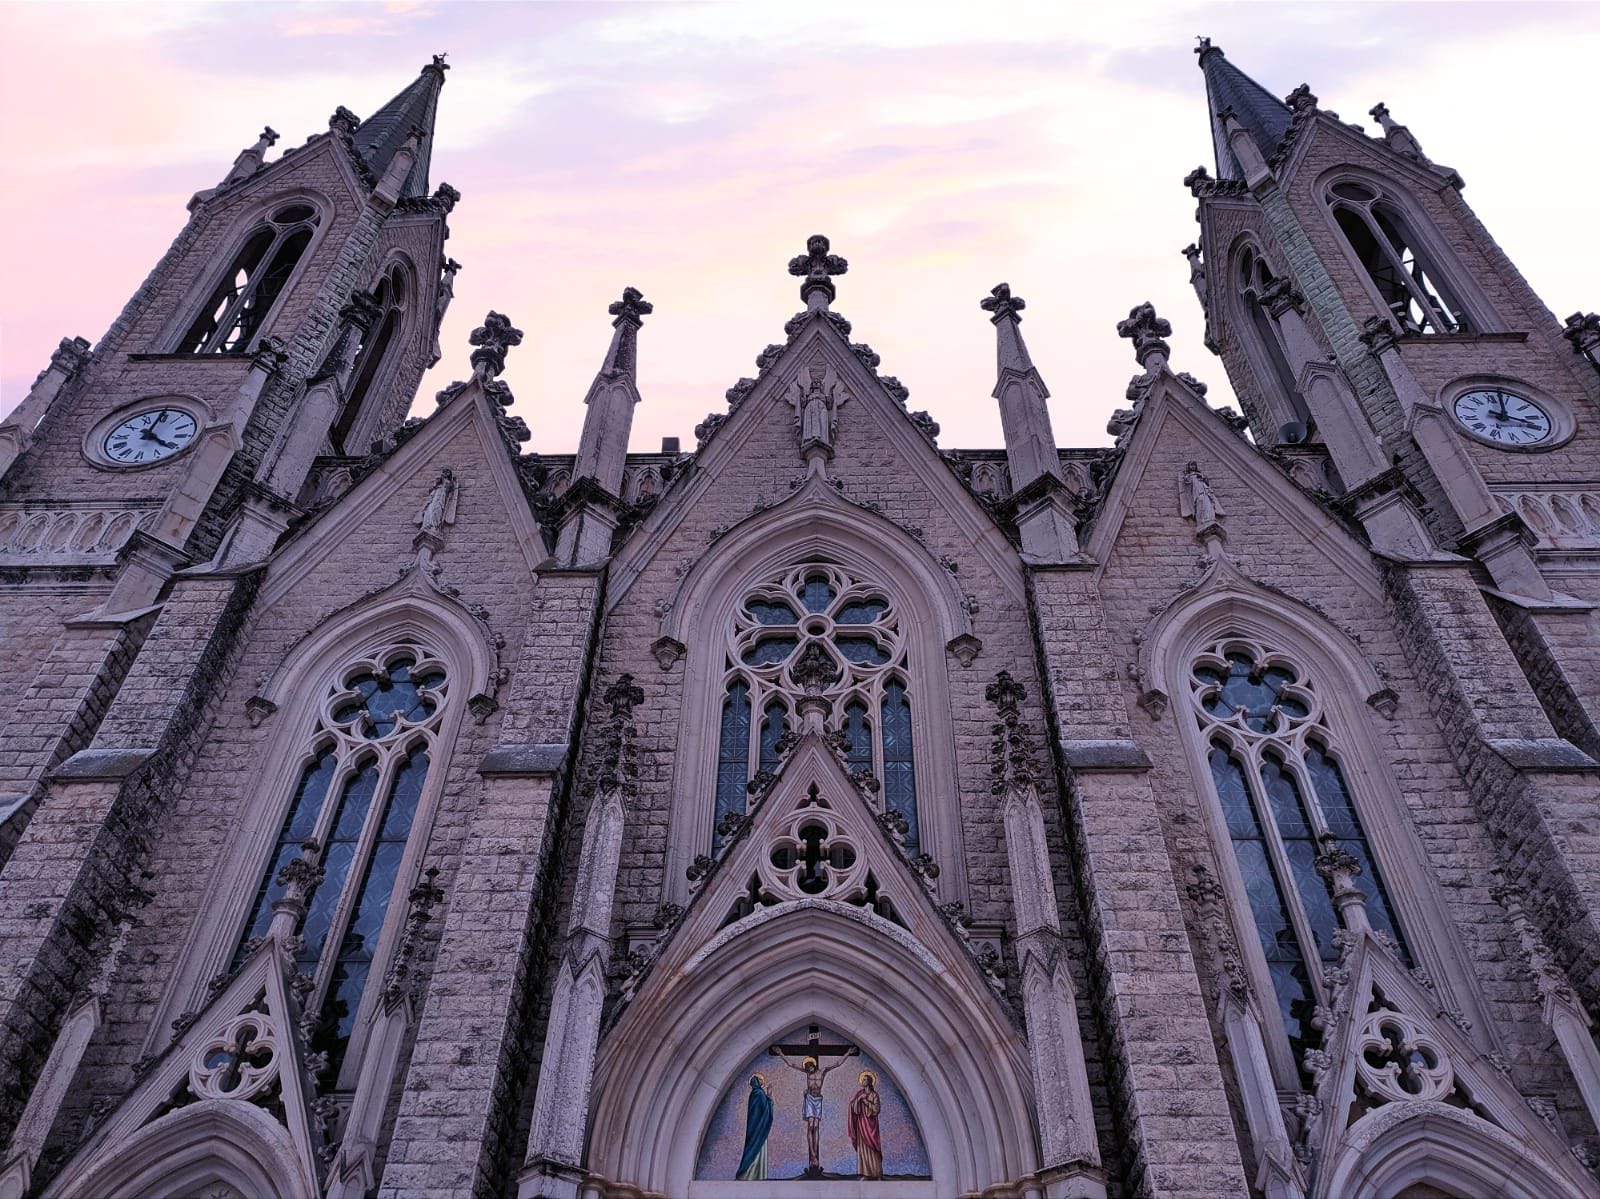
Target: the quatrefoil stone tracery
pixel 239 1062
pixel 822 859
pixel 1398 1059
pixel 1253 691
pixel 384 697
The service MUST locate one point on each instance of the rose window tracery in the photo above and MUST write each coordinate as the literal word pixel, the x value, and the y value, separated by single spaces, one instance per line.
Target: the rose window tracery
pixel 816 629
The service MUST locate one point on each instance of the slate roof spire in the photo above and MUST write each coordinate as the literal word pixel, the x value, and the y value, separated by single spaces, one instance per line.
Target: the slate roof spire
pixel 380 136
pixel 1262 115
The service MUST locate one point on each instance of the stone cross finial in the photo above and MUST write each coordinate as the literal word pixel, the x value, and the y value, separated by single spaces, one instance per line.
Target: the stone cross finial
pixel 1396 134
pixel 1202 45
pixel 816 266
pixel 492 339
pixel 623 696
pixel 633 307
pixel 1002 304
pixel 1146 330
pixel 438 61
pixel 343 121
pixel 268 138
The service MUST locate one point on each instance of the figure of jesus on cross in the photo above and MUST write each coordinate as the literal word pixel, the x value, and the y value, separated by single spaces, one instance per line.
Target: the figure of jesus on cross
pixel 811 1051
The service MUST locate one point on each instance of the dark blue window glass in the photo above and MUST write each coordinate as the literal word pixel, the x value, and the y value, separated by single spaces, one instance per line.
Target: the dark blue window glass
pixel 858 732
pixel 360 942
pixel 338 856
pixel 1300 847
pixel 1333 797
pixel 773 649
pixel 1280 944
pixel 861 611
pixel 300 824
pixel 862 650
pixel 816 594
pixel 1257 693
pixel 383 701
pixel 769 612
pixel 899 771
pixel 773 720
pixel 733 753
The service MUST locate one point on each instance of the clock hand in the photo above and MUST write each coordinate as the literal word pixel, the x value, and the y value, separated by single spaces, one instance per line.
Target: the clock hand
pixel 146 435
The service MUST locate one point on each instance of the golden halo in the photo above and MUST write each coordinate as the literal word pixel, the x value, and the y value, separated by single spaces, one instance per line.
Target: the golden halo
pixel 866 1076
pixel 807 1061
pixel 761 1078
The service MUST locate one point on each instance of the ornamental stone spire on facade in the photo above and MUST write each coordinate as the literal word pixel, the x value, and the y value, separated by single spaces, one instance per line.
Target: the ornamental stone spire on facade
pixel 1043 513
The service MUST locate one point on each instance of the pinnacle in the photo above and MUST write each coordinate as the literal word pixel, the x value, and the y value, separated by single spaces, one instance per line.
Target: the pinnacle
pixel 409 114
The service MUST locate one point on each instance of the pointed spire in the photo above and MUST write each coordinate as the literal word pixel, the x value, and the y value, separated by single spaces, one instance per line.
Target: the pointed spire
pixel 630 312
pixel 1261 114
pixel 410 114
pixel 603 444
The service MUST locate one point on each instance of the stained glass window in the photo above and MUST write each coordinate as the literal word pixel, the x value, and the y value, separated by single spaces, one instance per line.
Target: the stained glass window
pixel 860 635
pixel 1281 791
pixel 355 801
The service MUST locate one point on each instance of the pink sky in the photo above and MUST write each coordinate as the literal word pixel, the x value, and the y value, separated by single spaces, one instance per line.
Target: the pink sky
pixel 688 150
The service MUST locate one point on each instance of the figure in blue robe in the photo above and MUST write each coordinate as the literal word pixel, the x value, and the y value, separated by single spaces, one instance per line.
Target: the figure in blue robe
pixel 757 1124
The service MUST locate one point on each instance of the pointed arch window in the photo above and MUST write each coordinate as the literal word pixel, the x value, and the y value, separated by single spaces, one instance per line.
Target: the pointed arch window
pixel 1407 283
pixel 856 629
pixel 239 306
pixel 390 298
pixel 356 798
pixel 1274 767
pixel 1255 282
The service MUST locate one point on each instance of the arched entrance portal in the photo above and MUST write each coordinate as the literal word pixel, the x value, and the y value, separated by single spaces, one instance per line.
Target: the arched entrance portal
pixel 955 1060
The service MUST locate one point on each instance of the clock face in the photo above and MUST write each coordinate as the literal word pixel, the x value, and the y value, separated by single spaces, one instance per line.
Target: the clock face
pixel 1502 417
pixel 150 436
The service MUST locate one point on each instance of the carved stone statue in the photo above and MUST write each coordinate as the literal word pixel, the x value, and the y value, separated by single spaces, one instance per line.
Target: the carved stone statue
pixel 441 302
pixel 440 508
pixel 1196 500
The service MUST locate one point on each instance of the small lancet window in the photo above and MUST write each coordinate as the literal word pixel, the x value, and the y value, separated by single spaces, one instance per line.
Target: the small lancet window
pixel 858 632
pixel 239 306
pixel 1410 287
pixel 1255 280
pixel 389 298
pixel 1281 792
pixel 355 800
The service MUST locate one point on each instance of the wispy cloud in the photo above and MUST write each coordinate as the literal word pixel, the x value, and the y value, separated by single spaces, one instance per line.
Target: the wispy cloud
pixel 688 149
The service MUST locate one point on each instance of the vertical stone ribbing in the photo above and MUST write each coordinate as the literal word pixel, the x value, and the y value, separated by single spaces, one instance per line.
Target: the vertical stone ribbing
pixel 1165 1077
pixel 452 1134
pixel 72 876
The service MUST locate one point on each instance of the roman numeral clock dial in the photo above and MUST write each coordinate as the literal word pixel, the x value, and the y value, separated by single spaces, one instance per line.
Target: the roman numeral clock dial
pixel 1502 417
pixel 149 437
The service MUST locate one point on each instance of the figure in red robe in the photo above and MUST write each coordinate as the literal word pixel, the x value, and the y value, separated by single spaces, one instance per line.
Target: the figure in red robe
pixel 864 1133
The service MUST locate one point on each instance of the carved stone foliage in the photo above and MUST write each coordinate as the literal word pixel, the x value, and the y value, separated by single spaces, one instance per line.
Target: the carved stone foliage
pixel 816 267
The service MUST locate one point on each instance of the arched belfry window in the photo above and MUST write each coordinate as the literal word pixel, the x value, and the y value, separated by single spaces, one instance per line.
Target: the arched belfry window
pixel 390 298
pixel 1255 283
pixel 238 307
pixel 1275 767
pixel 1408 284
pixel 810 610
pixel 354 798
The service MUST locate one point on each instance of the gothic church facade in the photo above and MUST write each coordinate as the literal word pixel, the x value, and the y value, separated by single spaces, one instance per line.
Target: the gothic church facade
pixel 385 810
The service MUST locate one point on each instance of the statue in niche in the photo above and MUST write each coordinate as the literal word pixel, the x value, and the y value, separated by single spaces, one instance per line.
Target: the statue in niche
pixel 864 1132
pixel 811 1110
pixel 757 1126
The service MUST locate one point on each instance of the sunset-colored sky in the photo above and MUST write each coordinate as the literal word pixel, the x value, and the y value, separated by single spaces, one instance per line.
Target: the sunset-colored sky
pixel 689 149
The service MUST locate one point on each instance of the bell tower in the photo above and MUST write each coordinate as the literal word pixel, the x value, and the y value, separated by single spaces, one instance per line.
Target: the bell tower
pixel 292 318
pixel 1364 312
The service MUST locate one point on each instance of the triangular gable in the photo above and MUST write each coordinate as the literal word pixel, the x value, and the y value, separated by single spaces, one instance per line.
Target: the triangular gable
pixel 243 1047
pixel 1387 1042
pixel 813 837
pixel 290 161
pixel 1373 152
pixel 1172 406
pixel 331 532
pixel 816 340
